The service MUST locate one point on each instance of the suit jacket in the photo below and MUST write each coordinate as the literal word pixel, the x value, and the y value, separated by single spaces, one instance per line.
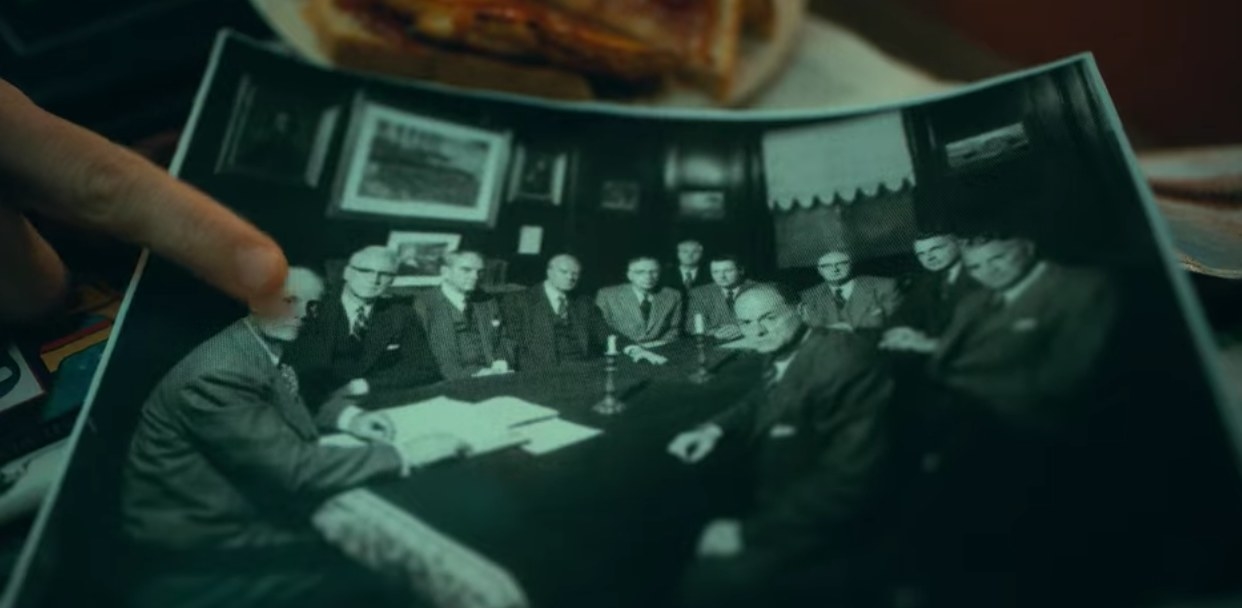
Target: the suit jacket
pixel 529 318
pixel 709 301
pixel 1033 358
pixel 620 308
pixel 394 353
pixel 437 315
pixel 224 452
pixel 928 301
pixel 870 304
pixel 671 275
pixel 819 445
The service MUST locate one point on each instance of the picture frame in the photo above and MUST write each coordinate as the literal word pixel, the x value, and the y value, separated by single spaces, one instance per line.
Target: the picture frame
pixel 701 205
pixel 400 165
pixel 419 255
pixel 19 382
pixel 276 135
pixel 538 175
pixel 621 196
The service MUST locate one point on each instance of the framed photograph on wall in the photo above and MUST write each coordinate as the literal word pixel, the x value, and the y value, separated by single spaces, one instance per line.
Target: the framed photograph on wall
pixel 18 382
pixel 402 165
pixel 619 195
pixel 419 255
pixel 538 175
pixel 276 134
pixel 701 205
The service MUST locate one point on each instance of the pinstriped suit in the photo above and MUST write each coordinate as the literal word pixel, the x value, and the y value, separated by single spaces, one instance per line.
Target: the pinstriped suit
pixel 621 311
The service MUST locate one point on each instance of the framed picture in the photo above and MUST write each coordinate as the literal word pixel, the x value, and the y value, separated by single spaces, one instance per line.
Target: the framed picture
pixel 18 382
pixel 419 255
pixel 702 205
pixel 276 134
pixel 619 195
pixel 986 148
pixel 538 175
pixel 400 165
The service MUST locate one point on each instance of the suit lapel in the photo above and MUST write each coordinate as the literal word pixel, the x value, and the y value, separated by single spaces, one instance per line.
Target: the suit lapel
pixel 483 321
pixel 288 404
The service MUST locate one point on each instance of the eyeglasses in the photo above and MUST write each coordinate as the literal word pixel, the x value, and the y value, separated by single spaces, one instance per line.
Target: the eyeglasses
pixel 386 275
pixel 835 265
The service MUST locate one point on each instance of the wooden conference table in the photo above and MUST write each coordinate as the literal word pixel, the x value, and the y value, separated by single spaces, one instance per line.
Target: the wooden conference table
pixel 610 521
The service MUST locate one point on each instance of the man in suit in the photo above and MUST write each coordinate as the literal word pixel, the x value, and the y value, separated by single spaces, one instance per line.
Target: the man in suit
pixel 688 272
pixel 551 325
pixel 715 302
pixel 361 335
pixel 930 298
pixel 640 310
pixel 813 438
pixel 464 324
pixel 224 469
pixel 846 301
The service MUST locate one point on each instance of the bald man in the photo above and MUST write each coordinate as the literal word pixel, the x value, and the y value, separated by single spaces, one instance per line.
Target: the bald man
pixel 552 325
pixel 224 463
pixel 359 334
pixel 463 323
pixel 847 301
pixel 814 442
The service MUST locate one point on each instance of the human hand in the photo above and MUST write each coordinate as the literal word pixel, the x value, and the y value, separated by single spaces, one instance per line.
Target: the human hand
pixel 501 366
pixel 907 339
pixel 694 445
pixel 639 353
pixel 56 169
pixel 721 538
pixel 727 332
pixel 432 447
pixel 374 426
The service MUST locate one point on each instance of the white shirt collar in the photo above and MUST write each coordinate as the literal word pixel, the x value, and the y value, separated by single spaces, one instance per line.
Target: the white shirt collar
pixel 351 302
pixel 783 364
pixel 554 295
pixel 267 348
pixel 640 294
pixel 847 288
pixel 456 298
pixel 1021 287
pixel 954 271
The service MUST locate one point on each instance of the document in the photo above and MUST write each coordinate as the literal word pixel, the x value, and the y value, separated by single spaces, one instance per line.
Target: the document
pixel 554 434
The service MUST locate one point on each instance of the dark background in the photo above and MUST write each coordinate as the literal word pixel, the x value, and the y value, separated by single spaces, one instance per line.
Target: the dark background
pixel 1072 193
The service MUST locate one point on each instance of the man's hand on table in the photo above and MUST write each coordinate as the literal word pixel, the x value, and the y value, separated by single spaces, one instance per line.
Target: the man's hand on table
pixel 638 353
pixel 54 168
pixel 498 367
pixel 694 445
pixel 721 538
pixel 727 333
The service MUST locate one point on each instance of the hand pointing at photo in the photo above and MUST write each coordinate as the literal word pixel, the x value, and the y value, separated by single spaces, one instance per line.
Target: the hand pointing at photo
pixel 53 168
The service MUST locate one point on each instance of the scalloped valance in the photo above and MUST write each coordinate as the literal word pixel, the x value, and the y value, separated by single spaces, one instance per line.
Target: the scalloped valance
pixel 837 162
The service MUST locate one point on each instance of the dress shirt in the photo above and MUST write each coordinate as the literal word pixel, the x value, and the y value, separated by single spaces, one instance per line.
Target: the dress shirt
pixel 1019 288
pixel 351 303
pixel 456 298
pixel 555 297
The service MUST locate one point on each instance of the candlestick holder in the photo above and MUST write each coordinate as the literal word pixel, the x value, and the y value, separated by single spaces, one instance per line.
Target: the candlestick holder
pixel 610 405
pixel 701 375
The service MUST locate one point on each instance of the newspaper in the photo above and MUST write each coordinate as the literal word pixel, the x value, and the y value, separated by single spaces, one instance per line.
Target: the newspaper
pixel 964 345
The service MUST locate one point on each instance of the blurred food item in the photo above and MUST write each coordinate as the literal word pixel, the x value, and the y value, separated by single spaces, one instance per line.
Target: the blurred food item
pixel 565 49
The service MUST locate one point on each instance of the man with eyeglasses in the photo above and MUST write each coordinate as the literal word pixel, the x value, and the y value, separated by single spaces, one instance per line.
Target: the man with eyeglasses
pixel 361 336
pixel 641 310
pixel 813 438
pixel 846 301
pixel 464 324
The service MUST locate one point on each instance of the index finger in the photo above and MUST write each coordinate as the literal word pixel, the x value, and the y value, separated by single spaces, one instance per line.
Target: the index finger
pixel 77 176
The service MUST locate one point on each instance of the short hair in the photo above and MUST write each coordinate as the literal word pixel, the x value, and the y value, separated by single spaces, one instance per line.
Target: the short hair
pixel 726 257
pixel 695 242
pixel 923 235
pixel 450 257
pixel 640 258
pixel 786 293
pixel 979 239
pixel 564 256
pixel 303 273
pixel 387 253
pixel 840 250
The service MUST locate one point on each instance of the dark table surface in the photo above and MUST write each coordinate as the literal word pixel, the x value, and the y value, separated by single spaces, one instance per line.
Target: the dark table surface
pixel 606 522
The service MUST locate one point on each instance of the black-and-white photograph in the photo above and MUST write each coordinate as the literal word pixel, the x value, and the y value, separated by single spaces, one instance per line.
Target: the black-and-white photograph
pixel 901 371
pixel 275 134
pixel 538 175
pixel 419 255
pixel 410 166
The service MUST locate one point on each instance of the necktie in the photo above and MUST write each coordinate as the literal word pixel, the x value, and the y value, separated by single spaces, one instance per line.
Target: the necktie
pixel 467 311
pixel 838 297
pixel 730 296
pixel 644 307
pixel 362 318
pixel 687 277
pixel 290 380
pixel 562 307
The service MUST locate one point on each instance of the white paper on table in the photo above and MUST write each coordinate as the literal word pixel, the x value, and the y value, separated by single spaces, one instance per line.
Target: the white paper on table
pixel 511 411
pixel 441 415
pixel 554 434
pixel 530 240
